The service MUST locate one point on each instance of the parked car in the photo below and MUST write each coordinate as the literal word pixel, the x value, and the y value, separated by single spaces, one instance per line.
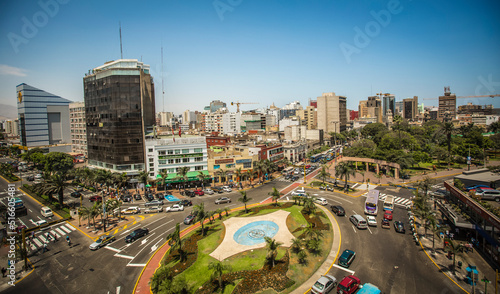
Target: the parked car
pixel 329 188
pixel 38 176
pixel 185 202
pixel 209 191
pixel 31 178
pixel 218 190
pixel 386 224
pixel 127 198
pixel 136 235
pixel 154 203
pixel 348 285
pixel 153 209
pixel 138 197
pixel 95 198
pixel 227 189
pixel 160 196
pixel 175 207
pixel 41 222
pixel 131 210
pixel 75 194
pixel 189 193
pixel 150 197
pixel 399 227
pixel 475 187
pixel 388 214
pixel 371 220
pixel 323 187
pixel 347 258
pixel 102 241
pixel 338 210
pixel 321 201
pixel 222 200
pixel 324 284
pixel 199 192
pixel 190 218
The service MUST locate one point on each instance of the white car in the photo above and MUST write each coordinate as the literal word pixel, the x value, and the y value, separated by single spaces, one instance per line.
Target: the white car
pixel 372 221
pixel 153 209
pixel 321 201
pixel 131 210
pixel 38 176
pixel 175 207
pixel 209 191
pixel 226 189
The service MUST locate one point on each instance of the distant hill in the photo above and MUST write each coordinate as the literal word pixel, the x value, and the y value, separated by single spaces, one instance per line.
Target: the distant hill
pixel 8 112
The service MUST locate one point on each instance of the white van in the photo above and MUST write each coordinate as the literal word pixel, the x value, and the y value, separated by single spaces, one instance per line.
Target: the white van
pixel 358 221
pixel 490 195
pixel 47 212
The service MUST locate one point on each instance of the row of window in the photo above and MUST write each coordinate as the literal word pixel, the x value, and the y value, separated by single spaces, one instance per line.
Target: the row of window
pixel 178 160
pixel 176 151
pixel 176 169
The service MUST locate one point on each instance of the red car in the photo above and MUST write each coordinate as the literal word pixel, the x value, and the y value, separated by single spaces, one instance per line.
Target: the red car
pixel 388 215
pixel 348 285
pixel 95 198
pixel 199 192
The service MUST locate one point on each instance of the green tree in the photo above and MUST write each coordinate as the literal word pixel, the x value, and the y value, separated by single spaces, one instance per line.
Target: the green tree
pixel 324 174
pixel 143 177
pixel 276 195
pixel 311 232
pixel 448 129
pixel 218 270
pixel 202 178
pixel 222 174
pixel 272 249
pixel 344 170
pixel 201 215
pixel 164 175
pixel 58 162
pixel 182 175
pixel 175 242
pixel 56 184
pixel 244 199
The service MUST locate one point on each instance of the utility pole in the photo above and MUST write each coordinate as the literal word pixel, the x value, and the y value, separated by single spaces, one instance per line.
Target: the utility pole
pixel 468 160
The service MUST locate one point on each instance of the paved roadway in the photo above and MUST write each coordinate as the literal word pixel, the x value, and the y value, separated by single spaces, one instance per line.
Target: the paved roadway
pixel 390 260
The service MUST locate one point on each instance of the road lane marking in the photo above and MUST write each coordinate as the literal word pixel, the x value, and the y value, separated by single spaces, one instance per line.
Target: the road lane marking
pixel 369 230
pixel 353 229
pixel 145 240
pixel 118 290
pixel 344 269
pixel 60 231
pixel 65 229
pixel 137 264
pixel 113 249
pixel 70 227
pixel 124 256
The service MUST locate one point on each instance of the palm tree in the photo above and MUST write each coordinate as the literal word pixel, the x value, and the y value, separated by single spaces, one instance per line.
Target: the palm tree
pixel 260 167
pixel 84 213
pixel 162 275
pixel 494 127
pixel 448 129
pixel 201 215
pixel 425 185
pixel 218 270
pixel 238 173
pixel 452 248
pixel 202 177
pixel 244 199
pixel 276 195
pixel 94 211
pixel 296 245
pixel 309 205
pixel 219 211
pixel 397 120
pixel 379 177
pixel 163 176
pixel 56 184
pixel 344 170
pixel 182 174
pixel 222 174
pixel 312 233
pixel 272 248
pixel 143 177
pixel 436 229
pixel 226 210
pixel 175 242
pixel 314 246
pixel 249 174
pixel 324 174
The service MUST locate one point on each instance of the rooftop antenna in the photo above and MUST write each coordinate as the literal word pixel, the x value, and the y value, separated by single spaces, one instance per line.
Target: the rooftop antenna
pixel 121 48
pixel 162 80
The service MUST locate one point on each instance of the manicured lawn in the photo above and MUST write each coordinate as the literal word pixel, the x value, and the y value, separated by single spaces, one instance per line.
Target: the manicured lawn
pixel 198 274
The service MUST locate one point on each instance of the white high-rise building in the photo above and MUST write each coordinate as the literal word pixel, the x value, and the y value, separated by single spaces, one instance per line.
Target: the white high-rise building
pixel 231 123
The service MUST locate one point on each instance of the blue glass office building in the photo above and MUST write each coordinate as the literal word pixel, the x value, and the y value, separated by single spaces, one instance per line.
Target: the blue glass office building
pixel 43 118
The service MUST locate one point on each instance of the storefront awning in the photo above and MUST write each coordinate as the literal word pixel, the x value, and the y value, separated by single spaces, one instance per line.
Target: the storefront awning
pixel 192 176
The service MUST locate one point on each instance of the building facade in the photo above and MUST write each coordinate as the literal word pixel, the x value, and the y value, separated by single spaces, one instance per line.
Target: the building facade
pixel 389 103
pixel 119 110
pixel 410 108
pixel 78 128
pixel 447 105
pixel 295 151
pixel 332 113
pixel 43 119
pixel 309 117
pixel 168 156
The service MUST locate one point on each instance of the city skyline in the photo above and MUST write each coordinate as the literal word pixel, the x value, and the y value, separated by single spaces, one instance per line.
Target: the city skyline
pixel 254 51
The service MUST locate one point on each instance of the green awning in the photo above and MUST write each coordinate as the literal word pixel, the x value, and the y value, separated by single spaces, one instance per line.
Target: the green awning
pixel 192 176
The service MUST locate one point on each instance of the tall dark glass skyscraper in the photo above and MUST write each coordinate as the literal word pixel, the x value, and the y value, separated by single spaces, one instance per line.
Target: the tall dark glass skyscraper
pixel 119 110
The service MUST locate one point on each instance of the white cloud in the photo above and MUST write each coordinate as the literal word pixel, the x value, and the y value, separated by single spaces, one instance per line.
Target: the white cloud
pixel 12 71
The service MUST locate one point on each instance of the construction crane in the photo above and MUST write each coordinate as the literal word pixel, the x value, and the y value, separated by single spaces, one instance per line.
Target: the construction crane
pixel 238 104
pixel 459 97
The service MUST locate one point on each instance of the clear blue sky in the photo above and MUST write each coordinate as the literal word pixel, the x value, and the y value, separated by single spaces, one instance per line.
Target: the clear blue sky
pixel 258 51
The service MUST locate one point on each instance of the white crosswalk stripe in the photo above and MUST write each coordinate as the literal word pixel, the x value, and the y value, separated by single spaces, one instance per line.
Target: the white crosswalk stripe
pixel 61 233
pixel 355 185
pixel 71 227
pixel 65 229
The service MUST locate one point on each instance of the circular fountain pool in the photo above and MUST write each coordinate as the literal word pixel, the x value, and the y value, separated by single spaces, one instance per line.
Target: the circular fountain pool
pixel 254 233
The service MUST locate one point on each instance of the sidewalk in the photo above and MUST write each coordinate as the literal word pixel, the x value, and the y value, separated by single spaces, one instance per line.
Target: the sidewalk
pixel 17 269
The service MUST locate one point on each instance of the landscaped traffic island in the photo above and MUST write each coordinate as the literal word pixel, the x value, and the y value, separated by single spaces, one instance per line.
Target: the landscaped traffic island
pixel 269 249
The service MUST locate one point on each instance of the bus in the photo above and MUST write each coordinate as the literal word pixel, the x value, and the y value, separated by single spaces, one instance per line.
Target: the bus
pixel 371 203
pixel 389 203
pixel 316 158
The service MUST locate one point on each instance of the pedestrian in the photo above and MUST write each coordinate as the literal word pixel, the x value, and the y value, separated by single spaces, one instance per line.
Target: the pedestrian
pixel 4 272
pixel 44 247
